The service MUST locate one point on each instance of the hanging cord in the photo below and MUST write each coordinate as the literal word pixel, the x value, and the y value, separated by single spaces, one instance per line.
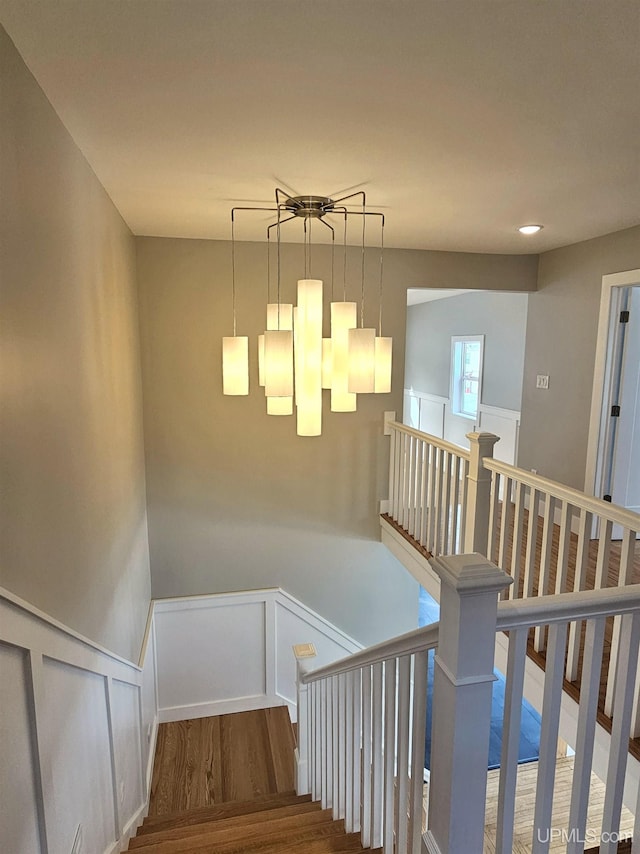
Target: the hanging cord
pixel 381 260
pixel 310 223
pixel 278 236
pixel 344 271
pixel 233 274
pixel 364 220
pixel 268 266
pixel 333 259
pixel 306 270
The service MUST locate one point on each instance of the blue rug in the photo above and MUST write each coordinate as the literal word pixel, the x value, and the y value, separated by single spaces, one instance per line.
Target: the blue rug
pixel 529 751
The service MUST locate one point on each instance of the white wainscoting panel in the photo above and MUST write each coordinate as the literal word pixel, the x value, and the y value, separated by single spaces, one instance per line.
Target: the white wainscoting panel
pixel 211 653
pixel 18 795
pixel 295 623
pixel 71 741
pixel 504 423
pixel 425 412
pixel 74 737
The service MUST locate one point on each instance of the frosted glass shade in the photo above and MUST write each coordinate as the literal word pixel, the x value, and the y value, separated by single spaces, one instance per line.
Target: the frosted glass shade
pixel 279 406
pixel 309 357
pixel 383 348
pixel 343 318
pixel 326 362
pixel 235 365
pixel 279 316
pixel 278 363
pixel 261 360
pixel 362 362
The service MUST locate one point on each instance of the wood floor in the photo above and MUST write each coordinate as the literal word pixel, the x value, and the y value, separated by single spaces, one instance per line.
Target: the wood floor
pixel 208 761
pixel 525 803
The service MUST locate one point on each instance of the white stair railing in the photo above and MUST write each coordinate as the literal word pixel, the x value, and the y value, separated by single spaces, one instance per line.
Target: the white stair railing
pixel 547 527
pixel 362 720
pixel 433 484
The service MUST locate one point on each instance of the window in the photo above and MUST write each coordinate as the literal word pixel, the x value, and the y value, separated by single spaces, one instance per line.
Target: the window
pixel 466 374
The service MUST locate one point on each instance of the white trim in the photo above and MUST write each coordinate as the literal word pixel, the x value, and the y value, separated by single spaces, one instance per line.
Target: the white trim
pixel 219 707
pixel 410 558
pixel 509 414
pixel 425 395
pixel 624 279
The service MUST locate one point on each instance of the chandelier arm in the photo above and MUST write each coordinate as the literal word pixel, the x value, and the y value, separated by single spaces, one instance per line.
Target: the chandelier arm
pixel 352 196
pixel 233 210
pixel 287 197
pixel 281 222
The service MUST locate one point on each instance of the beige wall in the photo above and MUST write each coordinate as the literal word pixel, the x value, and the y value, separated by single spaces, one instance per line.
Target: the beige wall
pixel 562 326
pixel 73 536
pixel 237 500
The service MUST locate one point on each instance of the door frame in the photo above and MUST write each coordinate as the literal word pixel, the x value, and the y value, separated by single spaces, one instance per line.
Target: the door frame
pixel 599 417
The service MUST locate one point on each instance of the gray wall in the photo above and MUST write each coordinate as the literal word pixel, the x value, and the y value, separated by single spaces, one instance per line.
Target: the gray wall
pixel 236 500
pixel 500 317
pixel 562 328
pixel 73 535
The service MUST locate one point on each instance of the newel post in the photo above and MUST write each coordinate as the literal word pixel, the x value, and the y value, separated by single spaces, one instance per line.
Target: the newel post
pixel 476 534
pixel 463 681
pixel 304 653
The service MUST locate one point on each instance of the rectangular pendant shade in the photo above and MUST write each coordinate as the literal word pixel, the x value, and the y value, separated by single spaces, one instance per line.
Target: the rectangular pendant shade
pixel 278 363
pixel 383 349
pixel 235 365
pixel 362 344
pixel 309 357
pixel 343 318
pixel 279 406
pixel 279 315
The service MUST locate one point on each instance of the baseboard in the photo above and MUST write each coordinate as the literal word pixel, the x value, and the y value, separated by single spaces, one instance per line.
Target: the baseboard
pixel 152 752
pixel 219 707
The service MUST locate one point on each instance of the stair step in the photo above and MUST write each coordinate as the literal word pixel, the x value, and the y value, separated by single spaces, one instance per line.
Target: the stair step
pixel 238 827
pixel 268 836
pixel 215 812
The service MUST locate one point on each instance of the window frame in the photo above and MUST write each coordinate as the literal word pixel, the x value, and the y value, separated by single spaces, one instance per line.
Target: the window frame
pixel 456 378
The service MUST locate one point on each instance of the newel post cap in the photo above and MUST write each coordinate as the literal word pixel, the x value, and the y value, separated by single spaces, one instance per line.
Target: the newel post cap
pixel 485 440
pixel 470 573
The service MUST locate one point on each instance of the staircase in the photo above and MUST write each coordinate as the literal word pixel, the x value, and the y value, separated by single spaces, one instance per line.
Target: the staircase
pixel 285 823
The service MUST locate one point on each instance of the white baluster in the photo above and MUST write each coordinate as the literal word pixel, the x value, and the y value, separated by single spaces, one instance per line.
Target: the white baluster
pixel 532 540
pixel 579 583
pixel 328 755
pixel 317 741
pixel 589 690
pixel 417 750
pixel 563 548
pixel 397 469
pixel 604 552
pixel 365 812
pixel 433 510
pixel 505 522
pixel 545 562
pixel 377 769
pixel 424 499
pixel 348 749
pixel 625 576
pixel 516 548
pixel 342 745
pixel 406 481
pixel 627 665
pixel 440 477
pixel 404 688
pixel 389 752
pixel 511 739
pixel 335 719
pixel 392 472
pixel 357 751
pixel 553 676
pixel 411 522
pixel 455 506
pixel 464 490
pixel 324 743
pixel 494 511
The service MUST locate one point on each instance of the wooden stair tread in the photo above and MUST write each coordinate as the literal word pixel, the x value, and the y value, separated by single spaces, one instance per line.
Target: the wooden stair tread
pixel 261 839
pixel 215 812
pixel 239 827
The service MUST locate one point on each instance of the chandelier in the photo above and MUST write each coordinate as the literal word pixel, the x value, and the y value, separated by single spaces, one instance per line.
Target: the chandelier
pixel 295 362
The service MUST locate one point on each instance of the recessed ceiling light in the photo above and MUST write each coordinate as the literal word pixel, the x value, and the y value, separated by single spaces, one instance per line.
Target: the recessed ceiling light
pixel 530 229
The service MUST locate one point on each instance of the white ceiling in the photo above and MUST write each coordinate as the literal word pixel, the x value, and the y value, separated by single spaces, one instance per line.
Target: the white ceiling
pixel 460 119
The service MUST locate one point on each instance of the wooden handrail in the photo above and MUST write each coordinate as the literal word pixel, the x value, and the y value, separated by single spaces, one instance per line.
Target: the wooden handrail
pixel 415 641
pixel 618 515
